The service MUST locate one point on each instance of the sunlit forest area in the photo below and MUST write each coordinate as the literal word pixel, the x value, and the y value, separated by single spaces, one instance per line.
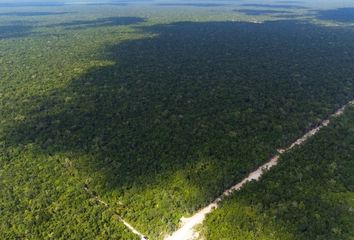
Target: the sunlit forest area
pixel 157 107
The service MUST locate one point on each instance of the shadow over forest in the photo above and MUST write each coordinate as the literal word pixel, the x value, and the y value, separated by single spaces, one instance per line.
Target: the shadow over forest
pixel 190 4
pixel 32 14
pixel 122 4
pixel 15 30
pixel 345 15
pixel 208 100
pixel 285 6
pixel 255 12
pixel 100 22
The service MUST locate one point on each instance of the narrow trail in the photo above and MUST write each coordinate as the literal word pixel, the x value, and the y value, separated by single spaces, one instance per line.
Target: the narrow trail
pixel 187 231
pixel 130 227
pixel 100 201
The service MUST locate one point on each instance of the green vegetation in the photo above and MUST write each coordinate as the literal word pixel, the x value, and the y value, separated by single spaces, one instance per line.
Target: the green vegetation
pixel 155 113
pixel 309 195
pixel 42 197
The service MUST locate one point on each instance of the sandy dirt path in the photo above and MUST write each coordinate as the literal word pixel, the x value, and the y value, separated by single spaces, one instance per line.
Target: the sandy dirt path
pixel 187 231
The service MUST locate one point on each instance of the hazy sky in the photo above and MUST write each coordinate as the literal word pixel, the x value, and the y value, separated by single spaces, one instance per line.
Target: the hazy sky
pixel 313 3
pixel 215 1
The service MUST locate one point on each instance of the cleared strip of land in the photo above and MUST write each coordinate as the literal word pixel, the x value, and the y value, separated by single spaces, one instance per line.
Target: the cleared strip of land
pixel 187 231
pixel 130 227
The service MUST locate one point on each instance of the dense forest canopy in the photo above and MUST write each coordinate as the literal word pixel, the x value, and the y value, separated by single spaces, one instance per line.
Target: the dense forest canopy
pixel 156 110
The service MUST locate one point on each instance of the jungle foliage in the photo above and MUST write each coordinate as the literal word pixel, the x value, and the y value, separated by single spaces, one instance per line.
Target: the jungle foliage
pixel 155 117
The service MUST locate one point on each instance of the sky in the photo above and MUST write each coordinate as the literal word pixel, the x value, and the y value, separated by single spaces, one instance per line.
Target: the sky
pixel 214 1
pixel 314 3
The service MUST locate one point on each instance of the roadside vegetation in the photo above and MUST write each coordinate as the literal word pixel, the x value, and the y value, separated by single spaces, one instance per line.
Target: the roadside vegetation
pixel 309 195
